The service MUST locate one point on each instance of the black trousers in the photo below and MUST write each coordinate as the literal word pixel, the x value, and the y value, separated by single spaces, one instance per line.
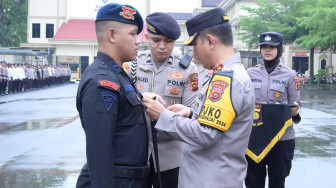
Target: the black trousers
pixel 278 162
pixel 169 178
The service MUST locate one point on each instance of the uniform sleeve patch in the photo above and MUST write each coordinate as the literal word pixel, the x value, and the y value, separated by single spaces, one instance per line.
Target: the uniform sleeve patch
pixel 217 90
pixel 297 83
pixel 193 82
pixel 109 84
pixel 108 98
pixel 126 67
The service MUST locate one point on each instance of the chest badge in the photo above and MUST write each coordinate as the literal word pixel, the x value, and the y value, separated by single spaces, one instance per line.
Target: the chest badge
pixel 172 101
pixel 126 67
pixel 140 87
pixel 277 94
pixel 174 91
pixel 177 75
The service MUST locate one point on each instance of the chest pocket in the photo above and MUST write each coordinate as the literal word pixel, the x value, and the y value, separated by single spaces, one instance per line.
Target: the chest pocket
pixel 175 83
pixel 277 93
pixel 133 99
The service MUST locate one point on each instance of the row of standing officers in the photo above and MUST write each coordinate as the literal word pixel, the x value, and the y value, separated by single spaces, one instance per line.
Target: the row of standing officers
pixel 17 78
pixel 203 127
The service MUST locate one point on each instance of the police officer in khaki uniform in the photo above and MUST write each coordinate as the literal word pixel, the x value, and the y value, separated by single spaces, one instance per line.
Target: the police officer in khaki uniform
pixel 274 83
pixel 218 132
pixel 158 70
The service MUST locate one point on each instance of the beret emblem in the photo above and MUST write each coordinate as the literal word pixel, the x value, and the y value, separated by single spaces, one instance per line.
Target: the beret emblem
pixel 128 12
pixel 151 28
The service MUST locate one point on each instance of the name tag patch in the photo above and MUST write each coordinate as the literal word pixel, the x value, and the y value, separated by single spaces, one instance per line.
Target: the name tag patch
pixel 109 84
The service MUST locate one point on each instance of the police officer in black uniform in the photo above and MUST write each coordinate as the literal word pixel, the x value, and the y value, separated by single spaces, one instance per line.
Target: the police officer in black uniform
pixel 110 106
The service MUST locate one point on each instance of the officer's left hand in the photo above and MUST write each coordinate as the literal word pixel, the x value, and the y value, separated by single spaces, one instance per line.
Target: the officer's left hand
pixel 295 110
pixel 153 108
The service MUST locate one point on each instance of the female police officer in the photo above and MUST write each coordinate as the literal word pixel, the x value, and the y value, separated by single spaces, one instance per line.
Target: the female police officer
pixel 274 83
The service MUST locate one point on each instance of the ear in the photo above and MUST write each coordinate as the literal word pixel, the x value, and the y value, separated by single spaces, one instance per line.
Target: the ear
pixel 111 34
pixel 146 36
pixel 211 41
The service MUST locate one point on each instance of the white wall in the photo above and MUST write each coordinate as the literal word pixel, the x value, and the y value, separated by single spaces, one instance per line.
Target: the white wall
pixel 77 50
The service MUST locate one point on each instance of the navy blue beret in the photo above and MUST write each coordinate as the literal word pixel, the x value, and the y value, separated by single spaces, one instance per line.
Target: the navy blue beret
pixel 204 20
pixel 160 23
pixel 271 38
pixel 121 13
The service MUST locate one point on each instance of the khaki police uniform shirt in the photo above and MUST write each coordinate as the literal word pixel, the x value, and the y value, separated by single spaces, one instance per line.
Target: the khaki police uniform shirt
pixel 176 86
pixel 213 158
pixel 281 86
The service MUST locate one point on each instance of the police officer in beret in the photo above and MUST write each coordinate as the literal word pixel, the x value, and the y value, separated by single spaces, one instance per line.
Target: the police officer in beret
pixel 274 83
pixel 218 130
pixel 158 70
pixel 109 105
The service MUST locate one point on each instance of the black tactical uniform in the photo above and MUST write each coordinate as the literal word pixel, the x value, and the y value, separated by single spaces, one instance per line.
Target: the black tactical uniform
pixel 114 123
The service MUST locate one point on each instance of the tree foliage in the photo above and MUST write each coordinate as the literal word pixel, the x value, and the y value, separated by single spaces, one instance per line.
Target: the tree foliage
pixel 13 22
pixel 280 16
pixel 320 21
pixel 309 23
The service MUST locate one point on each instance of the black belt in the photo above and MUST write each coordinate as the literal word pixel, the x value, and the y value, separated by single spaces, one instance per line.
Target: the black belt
pixel 131 171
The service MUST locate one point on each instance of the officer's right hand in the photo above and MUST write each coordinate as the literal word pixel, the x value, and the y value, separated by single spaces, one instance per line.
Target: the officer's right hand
pixel 180 109
pixel 158 97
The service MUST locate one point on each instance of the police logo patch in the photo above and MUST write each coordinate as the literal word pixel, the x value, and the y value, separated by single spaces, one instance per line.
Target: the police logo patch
pixel 126 67
pixel 257 120
pixel 140 87
pixel 109 84
pixel 177 75
pixel 268 38
pixel 217 90
pixel 172 101
pixel 277 94
pixel 128 13
pixel 297 83
pixel 174 91
pixel 108 98
pixel 193 82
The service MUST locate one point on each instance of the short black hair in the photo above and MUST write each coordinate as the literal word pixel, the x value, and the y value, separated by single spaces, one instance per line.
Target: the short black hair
pixel 222 31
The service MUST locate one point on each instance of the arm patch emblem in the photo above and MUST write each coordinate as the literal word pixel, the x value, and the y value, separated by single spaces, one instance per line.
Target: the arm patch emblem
pixel 108 98
pixel 217 111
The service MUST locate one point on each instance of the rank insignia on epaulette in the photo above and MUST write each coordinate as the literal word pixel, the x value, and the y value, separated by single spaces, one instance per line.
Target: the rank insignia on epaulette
pixel 108 98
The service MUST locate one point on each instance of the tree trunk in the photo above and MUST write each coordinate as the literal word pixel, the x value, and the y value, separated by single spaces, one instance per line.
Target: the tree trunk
pixel 311 66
